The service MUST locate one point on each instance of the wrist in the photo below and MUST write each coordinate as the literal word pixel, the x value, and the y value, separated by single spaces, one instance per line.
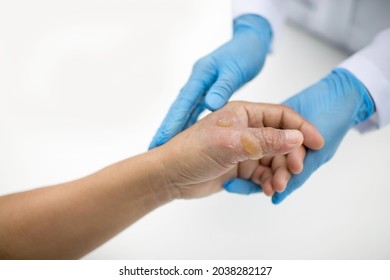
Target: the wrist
pixel 358 93
pixel 159 181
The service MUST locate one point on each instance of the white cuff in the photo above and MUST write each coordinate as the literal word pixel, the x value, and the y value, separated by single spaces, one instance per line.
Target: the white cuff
pixel 377 85
pixel 269 9
pixel 371 66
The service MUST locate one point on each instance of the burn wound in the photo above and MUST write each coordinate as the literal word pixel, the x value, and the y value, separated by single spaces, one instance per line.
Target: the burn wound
pixel 224 122
pixel 250 144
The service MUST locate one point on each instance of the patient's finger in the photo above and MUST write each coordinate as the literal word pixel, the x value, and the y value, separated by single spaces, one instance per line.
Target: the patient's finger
pixel 263 177
pixel 295 160
pixel 281 174
pixel 266 161
pixel 280 116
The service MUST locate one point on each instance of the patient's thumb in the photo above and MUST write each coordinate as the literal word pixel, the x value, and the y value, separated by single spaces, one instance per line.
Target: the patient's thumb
pixel 256 143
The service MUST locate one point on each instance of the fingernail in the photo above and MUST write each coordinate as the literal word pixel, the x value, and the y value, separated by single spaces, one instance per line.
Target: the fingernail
pixel 214 101
pixel 293 137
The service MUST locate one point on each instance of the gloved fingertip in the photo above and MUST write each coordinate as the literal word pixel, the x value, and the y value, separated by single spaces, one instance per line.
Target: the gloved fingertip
pixel 277 198
pixel 241 186
pixel 227 185
pixel 162 139
pixel 157 142
pixel 214 101
pixel 152 144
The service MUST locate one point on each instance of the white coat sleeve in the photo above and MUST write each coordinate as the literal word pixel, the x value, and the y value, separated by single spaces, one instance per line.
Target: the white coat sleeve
pixel 271 10
pixel 371 66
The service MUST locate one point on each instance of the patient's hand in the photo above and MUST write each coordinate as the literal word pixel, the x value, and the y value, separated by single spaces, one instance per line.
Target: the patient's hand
pixel 261 142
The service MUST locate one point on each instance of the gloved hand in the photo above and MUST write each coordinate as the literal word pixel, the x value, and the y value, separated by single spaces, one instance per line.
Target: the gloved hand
pixel 333 105
pixel 218 75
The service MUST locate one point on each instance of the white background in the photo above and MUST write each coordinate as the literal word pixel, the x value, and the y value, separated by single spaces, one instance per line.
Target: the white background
pixel 86 83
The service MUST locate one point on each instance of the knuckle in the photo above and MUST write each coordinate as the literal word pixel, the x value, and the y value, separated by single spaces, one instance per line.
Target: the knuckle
pixel 226 143
pixel 270 140
pixel 201 63
pixel 230 106
pixel 286 108
pixel 227 147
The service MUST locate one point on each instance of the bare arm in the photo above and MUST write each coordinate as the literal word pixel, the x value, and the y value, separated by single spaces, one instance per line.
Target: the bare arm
pixel 69 220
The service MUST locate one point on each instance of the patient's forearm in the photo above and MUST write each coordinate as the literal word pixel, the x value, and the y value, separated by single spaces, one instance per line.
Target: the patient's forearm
pixel 71 219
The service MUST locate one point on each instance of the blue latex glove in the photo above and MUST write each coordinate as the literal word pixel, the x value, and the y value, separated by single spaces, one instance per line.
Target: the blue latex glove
pixel 218 75
pixel 333 105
